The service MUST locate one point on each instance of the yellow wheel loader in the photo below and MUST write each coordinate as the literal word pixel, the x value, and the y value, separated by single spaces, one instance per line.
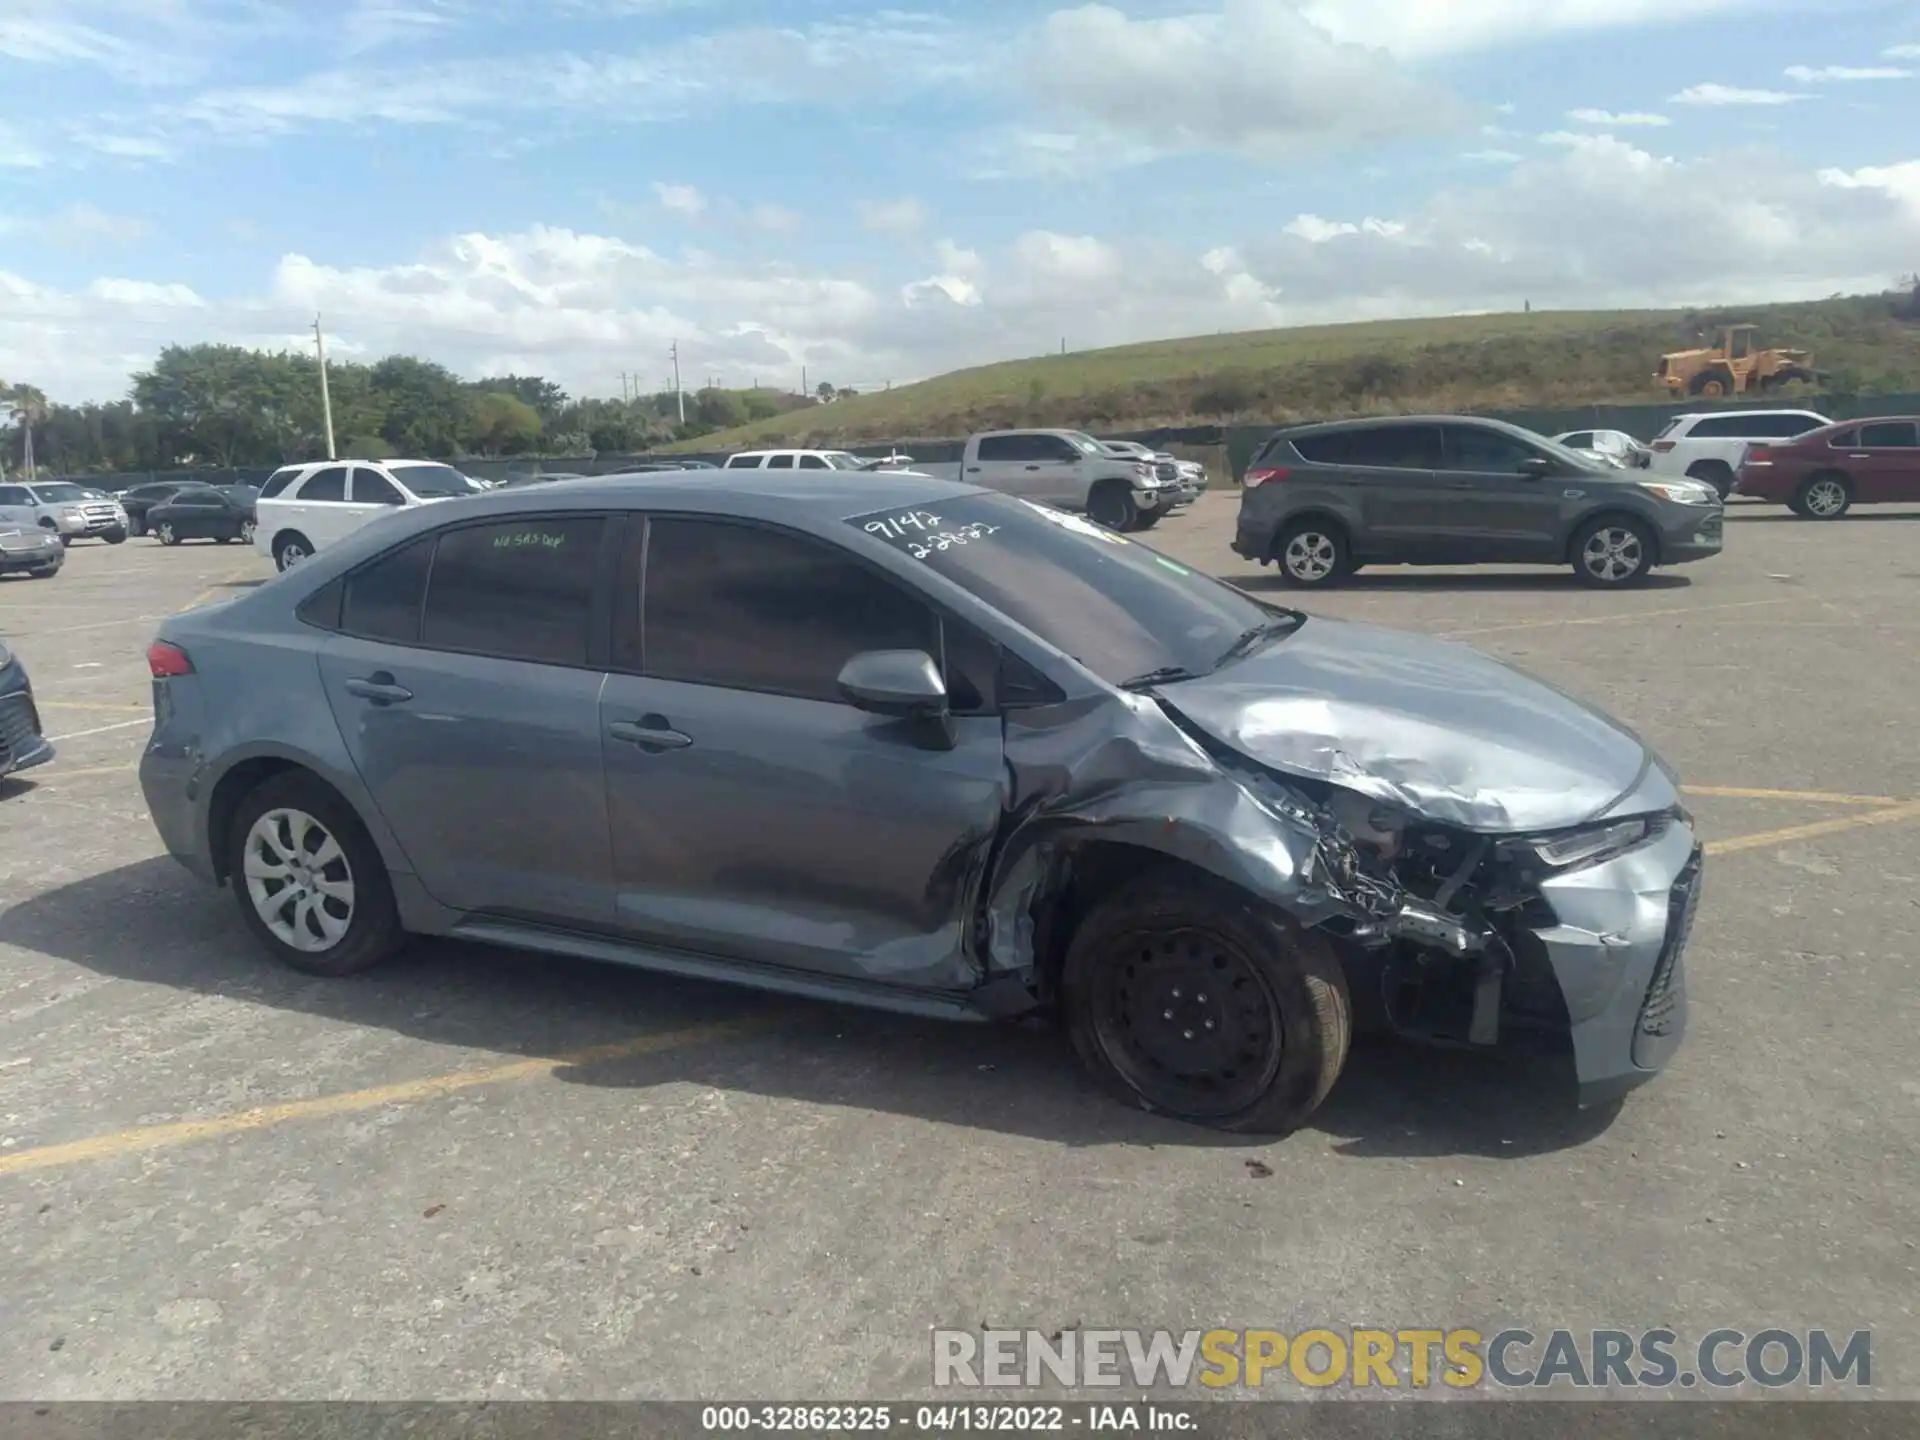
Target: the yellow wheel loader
pixel 1733 367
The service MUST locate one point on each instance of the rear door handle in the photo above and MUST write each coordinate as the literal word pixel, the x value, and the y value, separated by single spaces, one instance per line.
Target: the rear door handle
pixel 651 733
pixel 380 688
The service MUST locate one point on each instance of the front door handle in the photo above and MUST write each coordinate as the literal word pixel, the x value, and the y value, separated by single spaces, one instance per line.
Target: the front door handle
pixel 380 688
pixel 651 733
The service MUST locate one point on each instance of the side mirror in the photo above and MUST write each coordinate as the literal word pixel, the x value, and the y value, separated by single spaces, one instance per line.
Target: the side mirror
pixel 1536 467
pixel 902 684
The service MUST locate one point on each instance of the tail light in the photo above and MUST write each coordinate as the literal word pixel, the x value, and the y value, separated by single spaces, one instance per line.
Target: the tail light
pixel 1663 446
pixel 1759 455
pixel 167 660
pixel 1257 478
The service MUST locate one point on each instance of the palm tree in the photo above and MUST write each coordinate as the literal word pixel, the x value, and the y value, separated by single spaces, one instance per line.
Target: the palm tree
pixel 29 407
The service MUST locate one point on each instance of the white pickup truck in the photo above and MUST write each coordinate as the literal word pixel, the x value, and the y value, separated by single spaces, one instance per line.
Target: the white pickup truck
pixel 1071 471
pixel 1712 447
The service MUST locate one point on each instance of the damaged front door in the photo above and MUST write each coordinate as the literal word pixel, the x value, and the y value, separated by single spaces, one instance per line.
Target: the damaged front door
pixel 758 816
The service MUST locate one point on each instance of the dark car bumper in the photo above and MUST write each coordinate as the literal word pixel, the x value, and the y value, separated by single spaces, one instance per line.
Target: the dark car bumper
pixel 22 745
pixel 1692 537
pixel 25 552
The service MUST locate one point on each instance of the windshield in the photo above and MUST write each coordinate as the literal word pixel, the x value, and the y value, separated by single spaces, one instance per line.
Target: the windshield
pixel 59 494
pixel 431 481
pixel 841 460
pixel 1121 609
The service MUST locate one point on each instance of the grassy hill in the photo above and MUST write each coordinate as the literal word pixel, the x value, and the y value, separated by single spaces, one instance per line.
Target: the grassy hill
pixel 1863 344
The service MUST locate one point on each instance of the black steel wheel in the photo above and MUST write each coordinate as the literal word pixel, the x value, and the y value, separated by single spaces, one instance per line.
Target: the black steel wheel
pixel 1111 505
pixel 1190 1001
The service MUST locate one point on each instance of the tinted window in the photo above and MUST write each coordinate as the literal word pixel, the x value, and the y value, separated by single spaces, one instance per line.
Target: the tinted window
pixel 520 589
pixel 779 462
pixel 1486 451
pixel 436 481
pixel 383 600
pixel 1051 447
pixel 742 462
pixel 813 462
pixel 1000 447
pixel 370 487
pixel 1395 447
pixel 1328 449
pixel 1582 440
pixel 1898 434
pixel 1786 425
pixel 1118 607
pixel 327 484
pixel 199 500
pixel 757 609
pixel 277 482
pixel 14 495
pixel 1845 440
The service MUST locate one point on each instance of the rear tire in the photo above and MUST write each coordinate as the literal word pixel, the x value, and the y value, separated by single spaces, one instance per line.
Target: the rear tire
pixel 1111 505
pixel 290 549
pixel 309 880
pixel 1613 552
pixel 1148 519
pixel 1826 496
pixel 1189 1000
pixel 1712 384
pixel 166 534
pixel 1313 554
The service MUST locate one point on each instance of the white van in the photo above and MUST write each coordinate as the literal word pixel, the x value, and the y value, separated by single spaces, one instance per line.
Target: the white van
pixel 302 509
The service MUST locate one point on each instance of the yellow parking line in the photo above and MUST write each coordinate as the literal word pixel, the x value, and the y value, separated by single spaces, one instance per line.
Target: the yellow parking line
pixel 1887 815
pixel 146 1138
pixel 1811 797
pixel 1617 618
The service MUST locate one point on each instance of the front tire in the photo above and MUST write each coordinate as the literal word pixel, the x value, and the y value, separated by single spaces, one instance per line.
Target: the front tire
pixel 43 572
pixel 1613 552
pixel 1823 497
pixel 1313 554
pixel 1148 519
pixel 115 537
pixel 1191 1001
pixel 1112 506
pixel 309 880
pixel 166 534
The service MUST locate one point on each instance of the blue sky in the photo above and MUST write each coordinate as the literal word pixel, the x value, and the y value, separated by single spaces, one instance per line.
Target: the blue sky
pixel 884 191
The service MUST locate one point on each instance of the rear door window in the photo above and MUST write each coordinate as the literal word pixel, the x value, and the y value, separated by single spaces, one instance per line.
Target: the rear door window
pixel 1722 427
pixel 327 484
pixel 1845 440
pixel 813 462
pixel 14 495
pixel 520 589
pixel 742 462
pixel 998 447
pixel 277 482
pixel 1889 435
pixel 780 462
pixel 383 600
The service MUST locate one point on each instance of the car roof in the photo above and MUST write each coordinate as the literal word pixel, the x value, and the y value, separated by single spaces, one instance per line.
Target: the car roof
pixel 1377 422
pixel 1749 414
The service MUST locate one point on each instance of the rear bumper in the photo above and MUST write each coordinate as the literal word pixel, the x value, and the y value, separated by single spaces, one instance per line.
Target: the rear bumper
pixel 169 783
pixel 22 746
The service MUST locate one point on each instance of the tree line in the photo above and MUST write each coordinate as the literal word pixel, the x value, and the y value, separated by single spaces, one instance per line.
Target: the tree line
pixel 225 406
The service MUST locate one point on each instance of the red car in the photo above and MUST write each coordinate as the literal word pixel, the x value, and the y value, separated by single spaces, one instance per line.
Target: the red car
pixel 1824 473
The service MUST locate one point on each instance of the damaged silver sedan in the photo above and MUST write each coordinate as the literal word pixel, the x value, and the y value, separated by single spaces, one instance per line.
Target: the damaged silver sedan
pixel 899 742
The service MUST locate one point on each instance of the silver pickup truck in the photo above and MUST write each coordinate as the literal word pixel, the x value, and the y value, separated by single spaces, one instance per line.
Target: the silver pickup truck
pixel 1071 471
pixel 72 512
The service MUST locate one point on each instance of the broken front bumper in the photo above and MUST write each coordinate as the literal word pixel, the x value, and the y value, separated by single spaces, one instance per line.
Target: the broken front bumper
pixel 1618 954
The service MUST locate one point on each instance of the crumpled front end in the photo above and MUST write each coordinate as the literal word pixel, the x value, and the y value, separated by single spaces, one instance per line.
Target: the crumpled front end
pixel 1449 934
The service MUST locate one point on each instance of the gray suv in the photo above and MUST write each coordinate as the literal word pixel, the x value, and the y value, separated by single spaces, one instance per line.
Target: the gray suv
pixel 1322 500
pixel 886 739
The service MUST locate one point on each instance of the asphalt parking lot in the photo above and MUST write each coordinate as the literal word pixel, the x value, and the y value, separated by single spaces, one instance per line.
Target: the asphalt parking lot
pixel 491 1174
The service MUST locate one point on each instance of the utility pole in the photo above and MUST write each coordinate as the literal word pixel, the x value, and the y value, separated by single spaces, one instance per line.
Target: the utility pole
pixel 326 400
pixel 803 381
pixel 624 396
pixel 679 397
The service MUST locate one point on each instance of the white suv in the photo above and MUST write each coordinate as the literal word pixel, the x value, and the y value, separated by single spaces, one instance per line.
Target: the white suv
pixel 1712 447
pixel 796 460
pixel 302 509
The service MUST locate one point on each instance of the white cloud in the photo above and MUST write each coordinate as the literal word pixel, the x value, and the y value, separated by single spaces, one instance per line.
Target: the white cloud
pixel 682 199
pixel 17 152
pixel 1421 28
pixel 777 218
pixel 1192 83
pixel 85 227
pixel 124 147
pixel 1809 75
pixel 377 24
pixel 1901 52
pixel 904 216
pixel 1492 157
pixel 144 293
pixel 1712 94
pixel 1617 119
pixel 1902 182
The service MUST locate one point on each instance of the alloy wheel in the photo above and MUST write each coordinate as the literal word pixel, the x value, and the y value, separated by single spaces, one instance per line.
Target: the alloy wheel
pixel 246 531
pixel 166 533
pixel 1826 498
pixel 1613 554
pixel 299 880
pixel 291 554
pixel 1310 556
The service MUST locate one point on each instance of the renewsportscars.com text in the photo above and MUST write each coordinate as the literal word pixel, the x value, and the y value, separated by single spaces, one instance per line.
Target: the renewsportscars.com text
pixel 1411 1359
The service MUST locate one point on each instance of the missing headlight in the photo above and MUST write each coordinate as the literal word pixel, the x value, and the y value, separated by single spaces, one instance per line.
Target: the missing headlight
pixel 1589 846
